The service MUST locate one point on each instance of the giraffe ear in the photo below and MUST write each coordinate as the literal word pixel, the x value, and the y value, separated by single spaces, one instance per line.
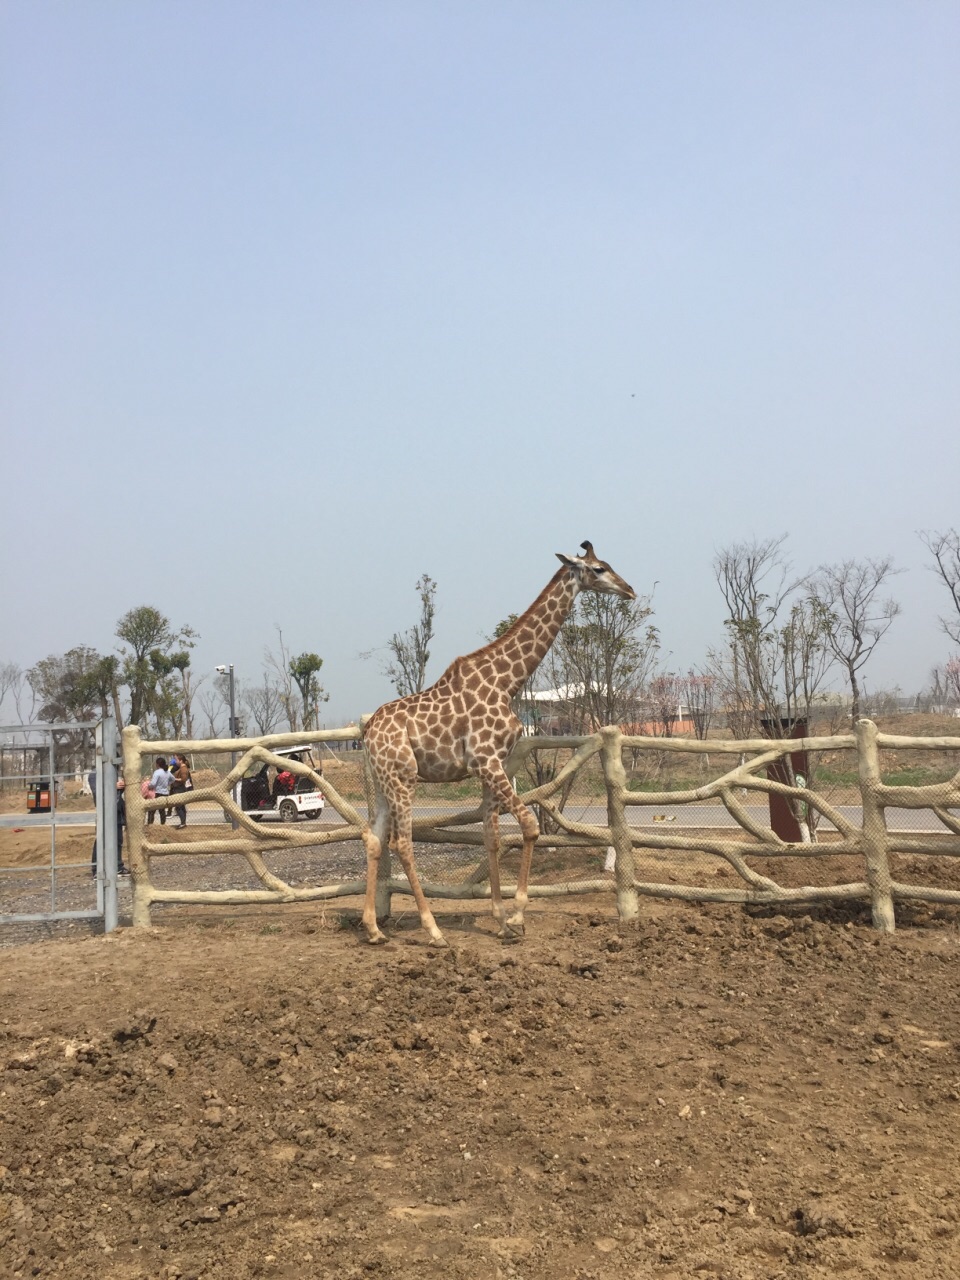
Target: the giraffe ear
pixel 571 564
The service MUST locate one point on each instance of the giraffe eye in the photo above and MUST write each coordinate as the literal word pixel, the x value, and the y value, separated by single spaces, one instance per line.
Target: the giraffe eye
pixel 599 568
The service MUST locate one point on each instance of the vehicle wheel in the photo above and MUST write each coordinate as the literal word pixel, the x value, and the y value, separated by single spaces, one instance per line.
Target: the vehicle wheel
pixel 315 814
pixel 288 811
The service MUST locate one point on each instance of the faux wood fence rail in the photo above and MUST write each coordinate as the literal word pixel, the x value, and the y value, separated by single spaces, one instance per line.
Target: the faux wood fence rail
pixel 871 841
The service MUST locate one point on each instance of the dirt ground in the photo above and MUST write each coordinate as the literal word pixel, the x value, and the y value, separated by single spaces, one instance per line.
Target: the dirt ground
pixel 713 1094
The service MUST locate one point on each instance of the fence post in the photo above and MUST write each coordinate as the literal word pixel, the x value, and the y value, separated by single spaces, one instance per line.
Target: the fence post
pixel 615 777
pixel 139 871
pixel 875 843
pixel 99 811
pixel 107 836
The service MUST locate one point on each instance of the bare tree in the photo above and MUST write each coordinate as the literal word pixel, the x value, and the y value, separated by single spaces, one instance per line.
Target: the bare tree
pixel 856 617
pixel 664 696
pixel 881 702
pixel 286 685
pixel 777 654
pixel 698 694
pixel 951 674
pixel 264 704
pixel 188 689
pixel 296 685
pixel 11 674
pixel 945 684
pixel 945 549
pixel 411 648
pixel 212 702
pixel 24 699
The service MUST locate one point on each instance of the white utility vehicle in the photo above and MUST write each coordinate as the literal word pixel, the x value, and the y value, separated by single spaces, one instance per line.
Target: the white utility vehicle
pixel 268 793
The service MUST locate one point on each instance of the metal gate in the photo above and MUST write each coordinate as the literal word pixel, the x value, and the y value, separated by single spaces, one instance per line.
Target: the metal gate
pixel 62 878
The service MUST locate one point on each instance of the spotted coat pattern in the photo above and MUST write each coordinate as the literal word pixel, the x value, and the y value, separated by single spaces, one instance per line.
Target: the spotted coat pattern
pixel 464 725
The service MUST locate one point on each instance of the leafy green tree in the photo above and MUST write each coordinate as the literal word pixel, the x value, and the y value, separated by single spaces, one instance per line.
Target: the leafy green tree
pixel 65 685
pixel 602 659
pixel 103 686
pixel 151 644
pixel 303 670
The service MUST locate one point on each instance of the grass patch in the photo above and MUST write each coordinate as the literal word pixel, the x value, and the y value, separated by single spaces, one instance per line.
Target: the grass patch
pixel 917 776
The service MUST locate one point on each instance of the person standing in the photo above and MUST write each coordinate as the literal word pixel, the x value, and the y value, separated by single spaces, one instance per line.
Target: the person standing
pixel 121 823
pixel 122 870
pixel 160 783
pixel 182 781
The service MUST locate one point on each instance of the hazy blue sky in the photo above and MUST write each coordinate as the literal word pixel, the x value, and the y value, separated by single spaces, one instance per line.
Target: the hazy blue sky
pixel 302 300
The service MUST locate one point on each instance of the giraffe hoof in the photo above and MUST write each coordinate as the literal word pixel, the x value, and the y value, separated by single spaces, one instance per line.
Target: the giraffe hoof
pixel 511 933
pixel 438 941
pixel 377 939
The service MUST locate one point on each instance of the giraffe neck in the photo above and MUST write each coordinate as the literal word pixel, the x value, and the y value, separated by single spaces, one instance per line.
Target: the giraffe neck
pixel 525 644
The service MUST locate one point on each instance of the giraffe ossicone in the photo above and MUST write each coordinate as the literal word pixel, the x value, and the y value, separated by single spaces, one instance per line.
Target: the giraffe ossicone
pixel 464 725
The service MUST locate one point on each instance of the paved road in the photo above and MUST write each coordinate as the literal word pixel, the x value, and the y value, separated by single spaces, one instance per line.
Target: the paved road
pixel 688 815
pixel 714 815
pixel 43 820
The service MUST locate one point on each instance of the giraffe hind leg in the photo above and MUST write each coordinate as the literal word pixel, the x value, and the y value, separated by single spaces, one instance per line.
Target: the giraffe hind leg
pixel 374 838
pixel 491 841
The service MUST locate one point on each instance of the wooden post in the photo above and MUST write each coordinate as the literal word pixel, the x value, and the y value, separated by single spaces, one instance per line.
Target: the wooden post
pixel 875 842
pixel 616 779
pixel 139 868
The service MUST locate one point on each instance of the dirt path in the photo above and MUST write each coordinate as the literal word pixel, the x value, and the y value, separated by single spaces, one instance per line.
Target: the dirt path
pixel 260 1095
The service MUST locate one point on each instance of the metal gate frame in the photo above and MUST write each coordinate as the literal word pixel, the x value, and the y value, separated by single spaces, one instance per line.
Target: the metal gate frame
pixel 107 748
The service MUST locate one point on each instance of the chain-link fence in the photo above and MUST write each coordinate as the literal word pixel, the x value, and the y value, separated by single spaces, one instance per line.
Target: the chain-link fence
pixel 59 827
pixel 860 816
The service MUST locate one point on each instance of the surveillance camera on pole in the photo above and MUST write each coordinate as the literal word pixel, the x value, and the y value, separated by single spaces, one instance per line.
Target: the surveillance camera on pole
pixel 227 669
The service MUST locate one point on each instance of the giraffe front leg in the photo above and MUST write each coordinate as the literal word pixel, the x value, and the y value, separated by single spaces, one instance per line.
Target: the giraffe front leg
pixel 503 796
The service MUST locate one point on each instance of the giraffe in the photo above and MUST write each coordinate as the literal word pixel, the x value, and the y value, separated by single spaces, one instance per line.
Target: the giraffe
pixel 465 725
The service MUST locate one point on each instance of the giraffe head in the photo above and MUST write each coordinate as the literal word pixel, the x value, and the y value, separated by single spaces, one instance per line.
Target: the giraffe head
pixel 596 575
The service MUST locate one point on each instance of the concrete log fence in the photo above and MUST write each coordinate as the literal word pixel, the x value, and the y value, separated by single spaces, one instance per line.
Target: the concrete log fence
pixel 870 841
